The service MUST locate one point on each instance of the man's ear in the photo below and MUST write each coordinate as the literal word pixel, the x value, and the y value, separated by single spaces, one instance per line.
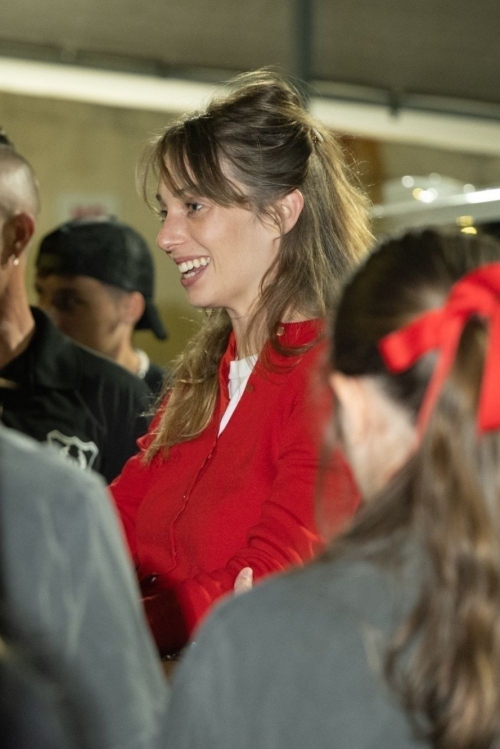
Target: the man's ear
pixel 290 207
pixel 19 230
pixel 134 307
pixel 353 400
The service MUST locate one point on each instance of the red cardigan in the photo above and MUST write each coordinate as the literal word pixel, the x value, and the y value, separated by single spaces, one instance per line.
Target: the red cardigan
pixel 218 504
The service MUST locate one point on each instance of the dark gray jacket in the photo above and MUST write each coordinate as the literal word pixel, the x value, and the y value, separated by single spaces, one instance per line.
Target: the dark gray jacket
pixel 296 664
pixel 71 596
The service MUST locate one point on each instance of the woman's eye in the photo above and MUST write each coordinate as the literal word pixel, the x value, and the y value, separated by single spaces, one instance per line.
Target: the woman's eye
pixel 162 215
pixel 194 207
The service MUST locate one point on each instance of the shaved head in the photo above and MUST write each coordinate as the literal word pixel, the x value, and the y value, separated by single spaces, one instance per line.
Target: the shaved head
pixel 19 191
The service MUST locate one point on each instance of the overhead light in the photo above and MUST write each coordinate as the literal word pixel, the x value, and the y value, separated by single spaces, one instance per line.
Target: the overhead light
pixel 102 86
pixel 463 209
pixel 466 224
pixel 483 196
pixel 119 89
pixel 425 196
pixel 465 220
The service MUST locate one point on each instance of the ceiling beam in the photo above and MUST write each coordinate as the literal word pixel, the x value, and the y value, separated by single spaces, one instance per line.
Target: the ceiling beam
pixel 176 95
pixel 303 45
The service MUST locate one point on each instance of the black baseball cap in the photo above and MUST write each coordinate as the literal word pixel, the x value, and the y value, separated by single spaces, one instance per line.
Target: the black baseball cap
pixel 4 139
pixel 108 250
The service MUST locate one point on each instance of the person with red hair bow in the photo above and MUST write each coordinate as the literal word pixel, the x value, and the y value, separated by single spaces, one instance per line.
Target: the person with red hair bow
pixel 392 638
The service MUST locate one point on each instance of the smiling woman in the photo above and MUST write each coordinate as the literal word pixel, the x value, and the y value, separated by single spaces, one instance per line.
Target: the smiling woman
pixel 260 214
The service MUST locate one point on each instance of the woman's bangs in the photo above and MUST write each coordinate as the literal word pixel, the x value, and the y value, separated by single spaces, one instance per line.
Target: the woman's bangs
pixel 189 163
pixel 175 170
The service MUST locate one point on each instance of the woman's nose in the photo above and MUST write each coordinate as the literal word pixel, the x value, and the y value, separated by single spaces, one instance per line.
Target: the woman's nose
pixel 172 233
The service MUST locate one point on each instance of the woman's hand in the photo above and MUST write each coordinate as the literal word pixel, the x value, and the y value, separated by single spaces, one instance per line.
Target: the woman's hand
pixel 244 581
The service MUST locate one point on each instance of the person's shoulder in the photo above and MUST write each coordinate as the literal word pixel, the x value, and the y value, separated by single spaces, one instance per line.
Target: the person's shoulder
pixel 93 362
pixel 311 363
pixel 156 378
pixel 303 376
pixel 325 596
pixel 312 345
pixel 318 636
pixel 61 360
pixel 48 473
pixel 307 350
pixel 94 365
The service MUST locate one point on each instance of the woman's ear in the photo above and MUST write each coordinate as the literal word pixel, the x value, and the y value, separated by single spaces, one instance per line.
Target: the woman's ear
pixel 354 405
pixel 378 435
pixel 290 207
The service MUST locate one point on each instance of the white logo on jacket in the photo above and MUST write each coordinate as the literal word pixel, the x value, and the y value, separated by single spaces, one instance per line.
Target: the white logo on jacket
pixel 81 453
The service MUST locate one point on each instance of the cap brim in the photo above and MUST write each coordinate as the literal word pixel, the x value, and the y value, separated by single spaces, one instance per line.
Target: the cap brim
pixel 151 321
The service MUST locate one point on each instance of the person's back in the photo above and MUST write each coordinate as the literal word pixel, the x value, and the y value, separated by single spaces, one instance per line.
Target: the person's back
pixel 299 662
pixel 33 712
pixel 70 594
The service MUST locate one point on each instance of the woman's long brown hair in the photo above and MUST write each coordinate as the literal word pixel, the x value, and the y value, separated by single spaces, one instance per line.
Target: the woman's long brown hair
pixel 444 661
pixel 260 134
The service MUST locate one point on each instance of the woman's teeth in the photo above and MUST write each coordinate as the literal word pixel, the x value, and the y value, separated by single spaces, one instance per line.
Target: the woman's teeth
pixel 191 265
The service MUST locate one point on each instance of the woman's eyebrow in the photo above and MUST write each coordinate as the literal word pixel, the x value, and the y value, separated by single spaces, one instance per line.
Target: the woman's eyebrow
pixel 181 193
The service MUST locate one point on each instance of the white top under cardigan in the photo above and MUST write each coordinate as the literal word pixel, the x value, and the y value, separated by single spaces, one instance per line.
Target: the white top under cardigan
pixel 239 372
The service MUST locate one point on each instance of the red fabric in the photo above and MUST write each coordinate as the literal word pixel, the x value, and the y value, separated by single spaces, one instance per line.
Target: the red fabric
pixel 246 498
pixel 477 293
pixel 224 367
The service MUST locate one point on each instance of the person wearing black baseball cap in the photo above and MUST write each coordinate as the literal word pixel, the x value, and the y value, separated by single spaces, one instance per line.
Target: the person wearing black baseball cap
pixel 95 278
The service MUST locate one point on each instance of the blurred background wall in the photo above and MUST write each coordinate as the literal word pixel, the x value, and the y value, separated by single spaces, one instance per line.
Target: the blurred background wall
pixel 412 91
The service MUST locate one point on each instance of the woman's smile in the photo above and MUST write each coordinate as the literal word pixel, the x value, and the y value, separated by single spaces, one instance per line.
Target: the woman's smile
pixel 192 270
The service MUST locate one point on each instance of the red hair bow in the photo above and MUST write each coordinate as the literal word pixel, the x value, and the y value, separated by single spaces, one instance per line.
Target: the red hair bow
pixel 477 293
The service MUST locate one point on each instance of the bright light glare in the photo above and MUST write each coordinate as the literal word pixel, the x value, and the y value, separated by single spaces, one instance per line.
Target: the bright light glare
pixel 483 196
pixel 102 87
pixel 465 220
pixel 425 196
pixel 407 181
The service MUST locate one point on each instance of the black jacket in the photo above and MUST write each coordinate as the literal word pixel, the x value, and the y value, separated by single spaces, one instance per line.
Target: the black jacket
pixel 88 407
pixel 154 379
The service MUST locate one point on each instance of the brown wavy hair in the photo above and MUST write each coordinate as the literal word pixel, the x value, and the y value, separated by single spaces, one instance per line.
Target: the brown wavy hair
pixel 444 662
pixel 259 133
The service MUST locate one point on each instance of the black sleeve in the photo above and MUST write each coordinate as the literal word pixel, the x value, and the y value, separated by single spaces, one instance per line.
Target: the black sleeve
pixel 128 413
